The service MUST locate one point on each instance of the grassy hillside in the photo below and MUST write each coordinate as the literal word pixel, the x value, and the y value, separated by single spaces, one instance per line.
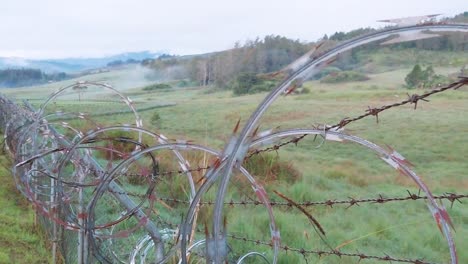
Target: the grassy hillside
pixel 125 78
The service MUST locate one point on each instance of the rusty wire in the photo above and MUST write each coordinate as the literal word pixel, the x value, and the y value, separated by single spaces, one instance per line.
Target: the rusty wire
pixel 334 252
pixel 380 199
pixel 412 99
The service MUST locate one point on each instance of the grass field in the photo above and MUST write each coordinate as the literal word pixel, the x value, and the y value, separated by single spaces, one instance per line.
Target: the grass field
pixel 433 138
pixel 20 240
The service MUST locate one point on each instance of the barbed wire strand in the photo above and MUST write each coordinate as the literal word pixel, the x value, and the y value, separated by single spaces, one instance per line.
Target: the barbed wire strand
pixel 412 99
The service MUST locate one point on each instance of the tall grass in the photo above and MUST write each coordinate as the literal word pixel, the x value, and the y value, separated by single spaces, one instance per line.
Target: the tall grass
pixel 433 137
pixel 21 240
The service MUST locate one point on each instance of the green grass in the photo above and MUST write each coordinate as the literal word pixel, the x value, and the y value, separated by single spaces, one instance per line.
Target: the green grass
pixel 21 241
pixel 388 59
pixel 433 138
pixel 122 79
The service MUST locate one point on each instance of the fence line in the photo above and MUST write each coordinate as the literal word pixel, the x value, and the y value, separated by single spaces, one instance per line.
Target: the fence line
pixel 451 197
pixel 124 194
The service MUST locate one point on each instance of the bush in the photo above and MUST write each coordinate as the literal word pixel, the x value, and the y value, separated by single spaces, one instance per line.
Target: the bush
pixel 305 90
pixel 269 168
pixel 250 83
pixel 325 72
pixel 436 80
pixel 424 78
pixel 185 83
pixel 122 144
pixel 156 120
pixel 415 77
pixel 344 76
pixel 263 86
pixel 244 82
pixel 158 86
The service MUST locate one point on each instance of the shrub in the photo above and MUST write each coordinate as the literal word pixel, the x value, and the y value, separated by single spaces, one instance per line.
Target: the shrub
pixel 156 119
pixel 344 76
pixel 183 83
pixel 437 80
pixel 244 82
pixel 263 86
pixel 325 72
pixel 250 83
pixel 158 86
pixel 424 78
pixel 269 168
pixel 305 90
pixel 415 77
pixel 123 143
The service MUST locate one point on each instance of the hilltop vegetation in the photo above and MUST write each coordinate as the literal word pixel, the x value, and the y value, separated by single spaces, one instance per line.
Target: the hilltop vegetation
pixel 258 56
pixel 272 53
pixel 27 77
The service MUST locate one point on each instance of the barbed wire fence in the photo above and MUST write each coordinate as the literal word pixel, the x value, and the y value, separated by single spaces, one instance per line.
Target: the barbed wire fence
pixel 124 194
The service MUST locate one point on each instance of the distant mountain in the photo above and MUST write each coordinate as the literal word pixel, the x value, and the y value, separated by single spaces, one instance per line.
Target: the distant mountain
pixel 74 64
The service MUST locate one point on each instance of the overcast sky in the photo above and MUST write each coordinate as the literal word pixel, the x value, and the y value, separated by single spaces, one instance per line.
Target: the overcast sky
pixel 91 28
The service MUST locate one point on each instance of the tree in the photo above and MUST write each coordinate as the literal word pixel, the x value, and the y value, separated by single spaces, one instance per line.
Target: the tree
pixel 22 77
pixel 80 88
pixel 419 77
pixel 269 54
pixel 415 77
pixel 244 82
pixel 428 73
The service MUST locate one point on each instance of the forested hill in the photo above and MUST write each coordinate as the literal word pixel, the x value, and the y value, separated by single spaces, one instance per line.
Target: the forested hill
pixel 260 56
pixel 272 53
pixel 27 77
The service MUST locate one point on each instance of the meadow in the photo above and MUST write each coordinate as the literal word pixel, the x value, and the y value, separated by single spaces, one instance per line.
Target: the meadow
pixel 21 240
pixel 433 137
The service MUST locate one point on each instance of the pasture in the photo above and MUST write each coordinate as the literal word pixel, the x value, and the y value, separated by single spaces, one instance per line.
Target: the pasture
pixel 433 138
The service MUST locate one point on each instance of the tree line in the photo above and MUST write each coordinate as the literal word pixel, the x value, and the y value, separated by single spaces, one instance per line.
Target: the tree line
pixel 255 57
pixel 27 77
pixel 269 54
